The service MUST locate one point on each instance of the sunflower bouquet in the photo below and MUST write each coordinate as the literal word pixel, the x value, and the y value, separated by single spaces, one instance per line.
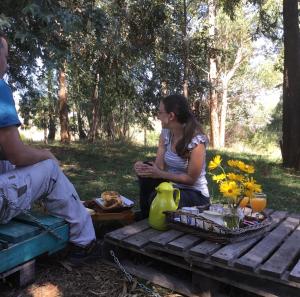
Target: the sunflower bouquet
pixel 237 185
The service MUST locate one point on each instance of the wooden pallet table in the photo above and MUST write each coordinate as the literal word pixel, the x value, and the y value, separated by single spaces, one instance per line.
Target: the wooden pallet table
pixel 22 240
pixel 267 265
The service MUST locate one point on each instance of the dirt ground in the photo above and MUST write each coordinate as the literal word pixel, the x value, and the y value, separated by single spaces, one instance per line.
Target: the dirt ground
pixel 54 278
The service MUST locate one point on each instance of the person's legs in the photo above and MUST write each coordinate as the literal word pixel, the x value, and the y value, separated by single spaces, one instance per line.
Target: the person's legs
pixel 189 198
pixel 6 166
pixel 25 185
pixel 147 193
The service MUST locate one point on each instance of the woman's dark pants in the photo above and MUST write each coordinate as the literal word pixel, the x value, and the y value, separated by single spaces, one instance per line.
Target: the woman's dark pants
pixel 188 197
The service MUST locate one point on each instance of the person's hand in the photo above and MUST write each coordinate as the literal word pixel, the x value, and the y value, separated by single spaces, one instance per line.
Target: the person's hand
pixel 137 167
pixel 142 167
pixel 151 171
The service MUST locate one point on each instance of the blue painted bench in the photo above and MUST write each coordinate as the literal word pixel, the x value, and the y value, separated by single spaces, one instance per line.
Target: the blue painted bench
pixel 22 240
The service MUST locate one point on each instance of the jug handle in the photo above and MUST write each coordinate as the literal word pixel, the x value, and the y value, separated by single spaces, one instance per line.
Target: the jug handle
pixel 177 196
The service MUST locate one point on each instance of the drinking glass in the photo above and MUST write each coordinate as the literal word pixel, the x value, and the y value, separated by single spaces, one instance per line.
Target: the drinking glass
pixel 258 202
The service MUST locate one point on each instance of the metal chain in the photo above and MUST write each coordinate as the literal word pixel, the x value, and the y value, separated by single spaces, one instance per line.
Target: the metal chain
pixel 130 278
pixel 32 217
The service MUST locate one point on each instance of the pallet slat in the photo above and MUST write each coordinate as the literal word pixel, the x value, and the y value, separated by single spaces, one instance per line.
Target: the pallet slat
pixel 29 249
pixel 129 230
pixel 278 216
pixel 205 248
pixel 184 242
pixel 45 219
pixel 260 252
pixel 231 251
pixel 139 240
pixel 165 237
pixel 283 257
pixel 295 273
pixel 16 232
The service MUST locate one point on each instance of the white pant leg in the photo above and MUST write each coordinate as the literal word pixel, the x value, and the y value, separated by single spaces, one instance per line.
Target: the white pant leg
pixel 46 180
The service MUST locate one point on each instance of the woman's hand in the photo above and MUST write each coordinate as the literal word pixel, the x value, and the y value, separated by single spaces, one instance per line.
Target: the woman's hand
pixel 145 170
pixel 138 167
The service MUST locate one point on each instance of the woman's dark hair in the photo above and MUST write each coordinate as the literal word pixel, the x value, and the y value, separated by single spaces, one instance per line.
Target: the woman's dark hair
pixel 179 106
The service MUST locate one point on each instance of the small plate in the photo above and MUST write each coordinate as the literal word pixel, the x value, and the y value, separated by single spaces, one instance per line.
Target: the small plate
pixel 127 204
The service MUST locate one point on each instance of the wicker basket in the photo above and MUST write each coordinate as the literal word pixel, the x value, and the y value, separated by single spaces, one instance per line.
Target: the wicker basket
pixel 200 226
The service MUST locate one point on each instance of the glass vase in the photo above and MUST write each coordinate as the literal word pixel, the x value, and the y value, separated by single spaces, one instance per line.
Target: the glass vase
pixel 232 217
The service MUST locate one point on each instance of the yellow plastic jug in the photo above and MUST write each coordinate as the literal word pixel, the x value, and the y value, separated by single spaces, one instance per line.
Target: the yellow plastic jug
pixel 163 201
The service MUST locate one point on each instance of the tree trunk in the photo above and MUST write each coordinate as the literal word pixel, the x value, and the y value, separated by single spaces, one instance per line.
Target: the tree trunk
pixel 223 113
pixel 185 52
pixel 213 96
pixel 291 86
pixel 81 132
pixel 63 107
pixel 95 112
pixel 52 110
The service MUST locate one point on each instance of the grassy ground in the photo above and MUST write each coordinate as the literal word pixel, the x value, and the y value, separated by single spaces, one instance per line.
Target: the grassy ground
pixel 94 168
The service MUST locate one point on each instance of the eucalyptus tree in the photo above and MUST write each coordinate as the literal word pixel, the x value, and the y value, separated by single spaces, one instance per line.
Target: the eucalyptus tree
pixel 291 86
pixel 230 47
pixel 270 15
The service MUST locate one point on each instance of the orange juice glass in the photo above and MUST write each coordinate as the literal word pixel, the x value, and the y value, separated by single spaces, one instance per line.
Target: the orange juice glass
pixel 258 203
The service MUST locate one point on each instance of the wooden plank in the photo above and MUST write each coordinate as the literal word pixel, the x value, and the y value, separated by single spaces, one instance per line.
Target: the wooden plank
pixel 278 215
pixel 231 251
pixel 268 211
pixel 3 244
pixel 205 248
pixel 165 237
pixel 24 274
pixel 162 279
pixel 295 273
pixel 284 256
pixel 295 215
pixel 141 239
pixel 16 232
pixel 184 242
pixel 260 252
pixel 45 219
pixel 31 248
pixel 129 230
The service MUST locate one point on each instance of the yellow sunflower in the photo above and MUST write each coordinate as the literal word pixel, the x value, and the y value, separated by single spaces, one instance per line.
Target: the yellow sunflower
pixel 236 177
pixel 219 177
pixel 230 189
pixel 213 164
pixel 252 186
pixel 246 168
pixel 232 163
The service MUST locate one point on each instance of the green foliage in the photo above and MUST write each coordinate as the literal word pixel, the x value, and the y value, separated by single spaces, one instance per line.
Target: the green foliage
pixel 133 46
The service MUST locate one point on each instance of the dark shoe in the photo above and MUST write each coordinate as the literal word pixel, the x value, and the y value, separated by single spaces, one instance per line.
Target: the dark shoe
pixel 79 255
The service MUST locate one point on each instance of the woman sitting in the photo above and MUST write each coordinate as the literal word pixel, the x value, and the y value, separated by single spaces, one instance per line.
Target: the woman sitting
pixel 180 157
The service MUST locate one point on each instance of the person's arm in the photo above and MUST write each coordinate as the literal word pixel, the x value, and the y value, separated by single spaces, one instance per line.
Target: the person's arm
pixel 194 169
pixel 159 161
pixel 17 152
